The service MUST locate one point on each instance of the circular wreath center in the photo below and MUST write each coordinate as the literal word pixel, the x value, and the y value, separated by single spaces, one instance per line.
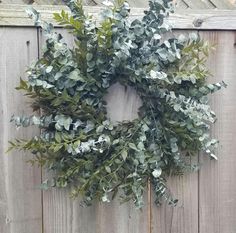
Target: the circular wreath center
pixel 123 103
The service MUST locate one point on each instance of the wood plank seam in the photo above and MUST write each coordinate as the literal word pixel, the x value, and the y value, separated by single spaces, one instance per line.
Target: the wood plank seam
pixel 42 197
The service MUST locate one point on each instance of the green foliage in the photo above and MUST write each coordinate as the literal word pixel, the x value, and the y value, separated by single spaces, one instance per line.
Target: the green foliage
pixel 88 153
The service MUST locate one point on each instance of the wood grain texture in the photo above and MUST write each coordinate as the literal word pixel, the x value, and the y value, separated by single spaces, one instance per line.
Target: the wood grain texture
pixel 62 214
pixel 207 200
pixel 116 97
pixel 217 194
pixel 20 196
pixel 123 104
pixel 184 217
pixel 133 3
pixel 194 4
pixel 14 15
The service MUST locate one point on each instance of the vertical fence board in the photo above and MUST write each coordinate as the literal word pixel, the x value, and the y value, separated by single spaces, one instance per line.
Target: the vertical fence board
pixel 123 104
pixel 20 198
pixel 184 217
pixel 61 214
pixel 217 195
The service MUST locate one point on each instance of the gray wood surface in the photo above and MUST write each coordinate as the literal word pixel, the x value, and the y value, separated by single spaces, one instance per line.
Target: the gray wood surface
pixel 20 196
pixel 62 214
pixel 14 15
pixel 217 193
pixel 207 200
pixel 184 217
pixel 122 103
pixel 193 4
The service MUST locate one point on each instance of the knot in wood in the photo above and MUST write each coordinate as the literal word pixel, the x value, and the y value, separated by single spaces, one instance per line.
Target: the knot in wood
pixel 198 23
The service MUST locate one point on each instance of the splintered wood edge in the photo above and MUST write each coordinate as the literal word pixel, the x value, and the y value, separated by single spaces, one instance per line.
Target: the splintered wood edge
pixel 15 15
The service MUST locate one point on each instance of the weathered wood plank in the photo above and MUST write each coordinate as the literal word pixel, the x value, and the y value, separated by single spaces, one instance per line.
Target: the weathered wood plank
pixel 233 2
pixel 194 4
pixel 184 217
pixel 61 214
pixel 14 15
pixel 14 2
pixel 204 19
pixel 217 194
pixel 132 3
pixel 20 196
pixel 122 103
pixel 116 218
pixel 58 2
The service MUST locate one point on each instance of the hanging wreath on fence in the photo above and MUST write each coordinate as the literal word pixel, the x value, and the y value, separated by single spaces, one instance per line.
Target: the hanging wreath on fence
pixel 78 142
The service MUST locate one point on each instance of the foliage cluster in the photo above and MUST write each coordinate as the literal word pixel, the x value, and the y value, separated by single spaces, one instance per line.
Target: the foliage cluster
pixel 85 150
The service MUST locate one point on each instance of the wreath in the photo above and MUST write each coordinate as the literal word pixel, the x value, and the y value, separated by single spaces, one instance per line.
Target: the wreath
pixel 87 152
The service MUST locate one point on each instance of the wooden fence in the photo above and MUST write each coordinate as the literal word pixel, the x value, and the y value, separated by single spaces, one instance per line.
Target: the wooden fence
pixel 186 4
pixel 207 199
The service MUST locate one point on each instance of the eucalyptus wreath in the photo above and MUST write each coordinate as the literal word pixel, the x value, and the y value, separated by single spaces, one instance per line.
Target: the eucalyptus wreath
pixel 85 151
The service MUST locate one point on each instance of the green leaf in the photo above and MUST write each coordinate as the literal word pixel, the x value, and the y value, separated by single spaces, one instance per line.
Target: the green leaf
pixel 157 172
pixel 213 156
pixel 49 69
pixel 75 75
pixel 100 129
pixel 67 123
pixel 108 169
pixel 124 154
pixel 174 148
pixel 36 120
pixel 23 85
pixel 57 137
pixel 57 148
pixel 133 146
pixel 116 141
pixel 89 56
